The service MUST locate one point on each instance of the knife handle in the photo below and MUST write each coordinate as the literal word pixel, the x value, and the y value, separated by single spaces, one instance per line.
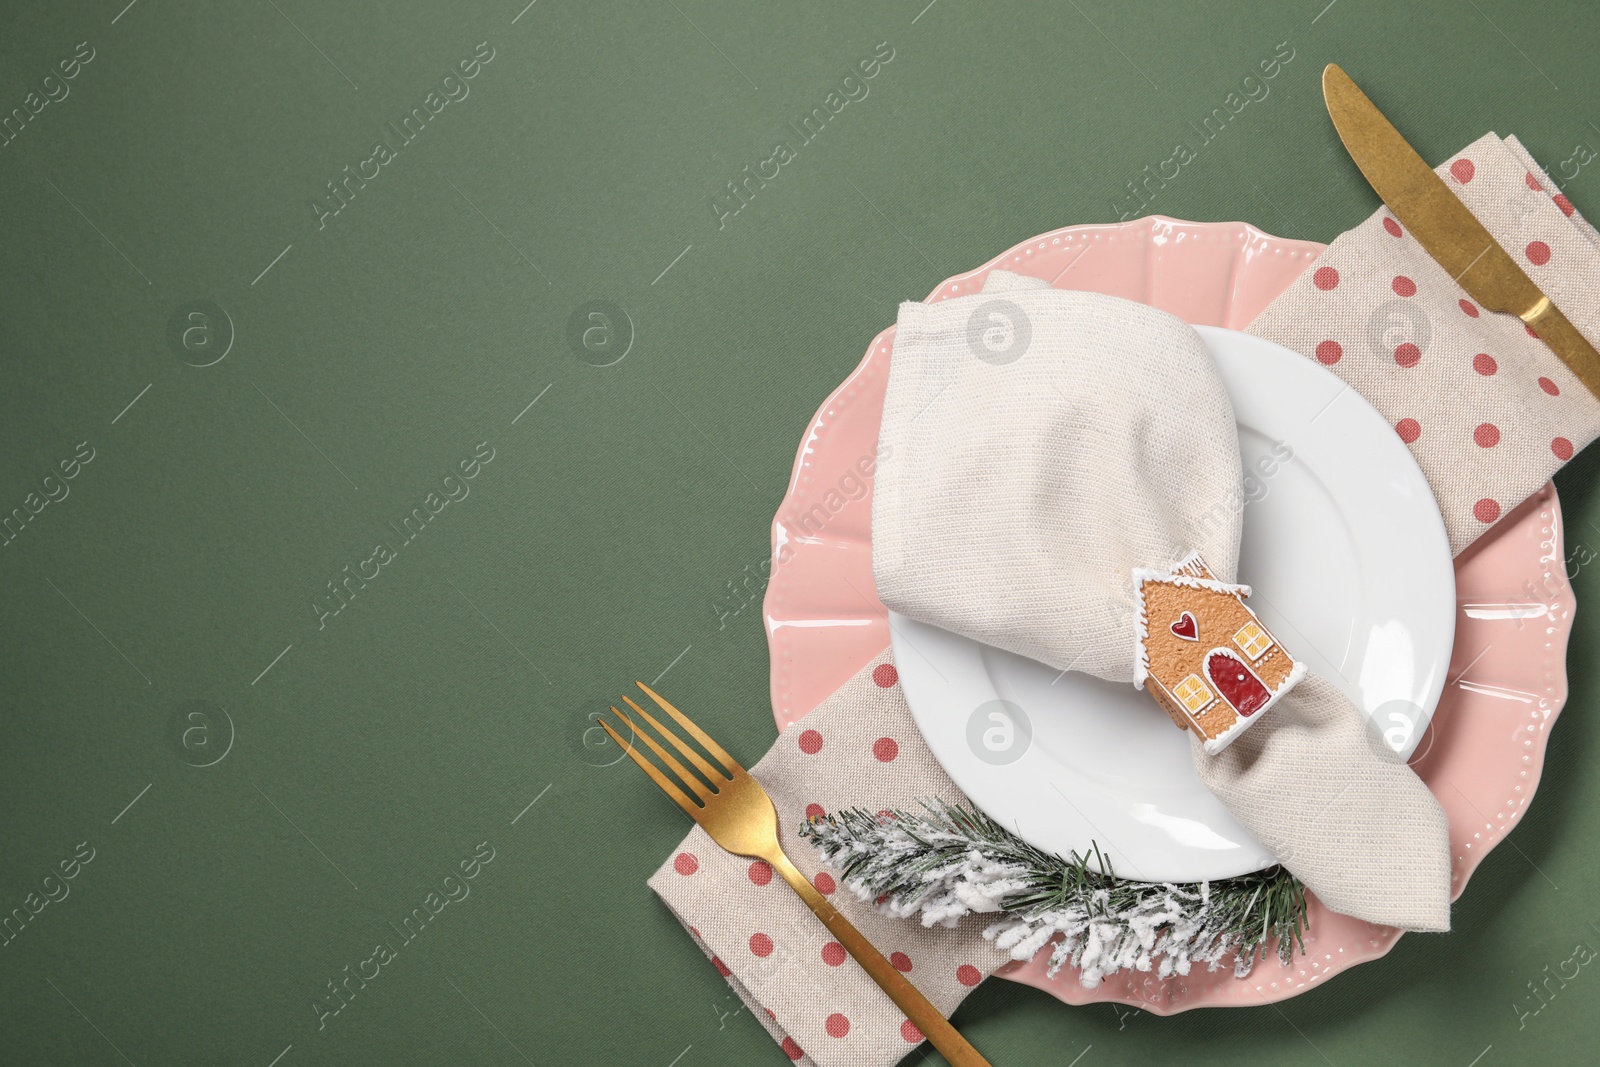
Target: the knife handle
pixel 1563 338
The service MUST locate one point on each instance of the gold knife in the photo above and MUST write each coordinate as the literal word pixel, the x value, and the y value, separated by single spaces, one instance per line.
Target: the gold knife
pixel 1444 227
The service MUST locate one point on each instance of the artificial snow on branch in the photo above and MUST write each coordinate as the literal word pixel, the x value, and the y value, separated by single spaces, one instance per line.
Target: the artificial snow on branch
pixel 948 861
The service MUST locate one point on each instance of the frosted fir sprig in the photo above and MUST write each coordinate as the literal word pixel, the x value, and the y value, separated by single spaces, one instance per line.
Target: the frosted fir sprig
pixel 948 861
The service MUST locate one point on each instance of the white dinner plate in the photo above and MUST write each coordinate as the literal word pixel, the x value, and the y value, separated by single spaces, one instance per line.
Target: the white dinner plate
pixel 1346 551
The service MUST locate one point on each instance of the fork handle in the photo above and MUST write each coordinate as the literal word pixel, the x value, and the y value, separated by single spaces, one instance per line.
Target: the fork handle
pixel 923 1015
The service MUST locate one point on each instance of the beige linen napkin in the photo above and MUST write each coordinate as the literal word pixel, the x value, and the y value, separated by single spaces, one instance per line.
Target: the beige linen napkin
pixel 1024 492
pixel 1525 387
pixel 1045 442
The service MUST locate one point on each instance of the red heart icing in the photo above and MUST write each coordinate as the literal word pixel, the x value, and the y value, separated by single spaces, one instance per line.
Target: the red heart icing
pixel 1186 627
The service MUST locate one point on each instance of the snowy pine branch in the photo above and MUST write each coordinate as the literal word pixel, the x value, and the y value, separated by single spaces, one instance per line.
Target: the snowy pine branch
pixel 948 861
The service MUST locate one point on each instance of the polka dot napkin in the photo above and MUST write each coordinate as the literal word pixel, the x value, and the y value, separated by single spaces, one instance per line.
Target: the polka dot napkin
pixel 1488 410
pixel 859 749
pixel 1490 414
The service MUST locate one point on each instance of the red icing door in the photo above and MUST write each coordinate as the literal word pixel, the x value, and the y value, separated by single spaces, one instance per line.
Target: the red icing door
pixel 1236 682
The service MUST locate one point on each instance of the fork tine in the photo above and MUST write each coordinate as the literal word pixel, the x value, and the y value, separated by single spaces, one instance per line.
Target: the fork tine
pixel 655 774
pixel 694 757
pixel 698 734
pixel 695 785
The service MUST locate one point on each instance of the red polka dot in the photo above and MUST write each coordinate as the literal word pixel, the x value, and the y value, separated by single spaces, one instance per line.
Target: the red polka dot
pixel 1462 170
pixel 967 974
pixel 837 1025
pixel 1486 510
pixel 685 863
pixel 1403 286
pixel 833 954
pixel 1329 353
pixel 761 945
pixel 901 962
pixel 815 811
pixel 1564 204
pixel 885 815
pixel 885 749
pixel 771 1014
pixel 1550 387
pixel 1532 180
pixel 1408 429
pixel 811 742
pixel 824 883
pixel 881 899
pixel 1484 364
pixel 884 675
pixel 1468 308
pixel 792 1050
pixel 1538 253
pixel 909 1031
pixel 1487 435
pixel 760 872
pixel 1562 448
pixel 1531 331
pixel 1325 278
pixel 1407 355
pixel 1392 226
pixel 722 968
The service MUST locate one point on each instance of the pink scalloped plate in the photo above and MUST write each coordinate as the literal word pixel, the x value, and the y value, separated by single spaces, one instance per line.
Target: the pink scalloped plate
pixel 1484 749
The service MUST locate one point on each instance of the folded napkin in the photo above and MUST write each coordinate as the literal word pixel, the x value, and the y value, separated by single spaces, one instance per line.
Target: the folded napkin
pixel 1023 495
pixel 1488 410
pixel 1471 368
pixel 859 749
pixel 1025 488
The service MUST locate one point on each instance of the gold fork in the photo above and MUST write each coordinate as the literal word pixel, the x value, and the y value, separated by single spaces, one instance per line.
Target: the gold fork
pixel 736 811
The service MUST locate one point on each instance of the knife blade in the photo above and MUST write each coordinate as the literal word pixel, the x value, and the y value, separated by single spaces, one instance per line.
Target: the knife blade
pixel 1444 227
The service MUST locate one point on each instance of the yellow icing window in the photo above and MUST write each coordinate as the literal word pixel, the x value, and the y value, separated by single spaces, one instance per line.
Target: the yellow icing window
pixel 1252 639
pixel 1192 693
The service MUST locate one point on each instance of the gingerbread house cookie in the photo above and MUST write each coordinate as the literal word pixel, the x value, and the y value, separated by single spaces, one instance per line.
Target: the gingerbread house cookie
pixel 1209 661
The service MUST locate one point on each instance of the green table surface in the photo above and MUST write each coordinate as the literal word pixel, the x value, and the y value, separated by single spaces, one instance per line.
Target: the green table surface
pixel 173 607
